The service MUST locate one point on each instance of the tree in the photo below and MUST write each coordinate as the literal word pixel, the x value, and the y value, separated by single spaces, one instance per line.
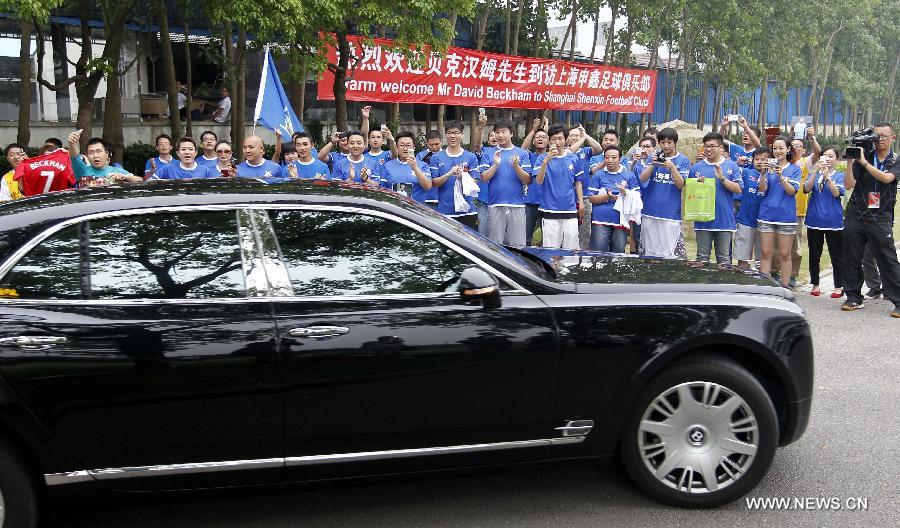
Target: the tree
pixel 89 71
pixel 28 12
pixel 162 16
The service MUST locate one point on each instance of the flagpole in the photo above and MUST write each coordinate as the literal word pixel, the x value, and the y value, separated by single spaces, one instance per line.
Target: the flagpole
pixel 262 86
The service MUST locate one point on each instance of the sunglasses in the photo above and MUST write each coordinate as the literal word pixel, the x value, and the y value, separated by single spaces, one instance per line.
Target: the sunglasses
pixel 223 151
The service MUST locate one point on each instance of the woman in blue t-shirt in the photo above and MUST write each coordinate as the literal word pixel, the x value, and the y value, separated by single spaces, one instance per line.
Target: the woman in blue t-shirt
pixel 825 220
pixel 777 224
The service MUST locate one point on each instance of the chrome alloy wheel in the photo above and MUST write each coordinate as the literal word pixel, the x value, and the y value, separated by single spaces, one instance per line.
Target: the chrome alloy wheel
pixel 698 437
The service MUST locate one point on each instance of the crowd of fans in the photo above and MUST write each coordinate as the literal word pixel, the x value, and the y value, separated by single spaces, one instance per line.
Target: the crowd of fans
pixel 581 192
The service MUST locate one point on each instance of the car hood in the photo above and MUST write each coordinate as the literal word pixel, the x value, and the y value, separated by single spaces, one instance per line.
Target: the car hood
pixel 594 271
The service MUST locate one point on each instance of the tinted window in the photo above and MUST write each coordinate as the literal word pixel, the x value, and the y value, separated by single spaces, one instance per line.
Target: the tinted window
pixel 172 255
pixel 352 254
pixel 50 271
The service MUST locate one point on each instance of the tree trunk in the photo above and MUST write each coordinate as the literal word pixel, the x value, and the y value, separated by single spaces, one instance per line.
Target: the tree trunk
pixel 611 33
pixel 168 66
pixel 301 104
pixel 539 28
pixel 517 27
pixel 442 109
pixel 507 28
pixel 763 102
pixel 717 103
pixel 892 89
pixel 239 106
pixel 596 34
pixel 340 87
pixel 112 115
pixel 481 29
pixel 23 136
pixel 701 112
pixel 188 80
pixel 782 99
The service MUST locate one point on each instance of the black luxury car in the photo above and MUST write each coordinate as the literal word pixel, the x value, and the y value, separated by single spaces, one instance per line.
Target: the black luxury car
pixel 197 334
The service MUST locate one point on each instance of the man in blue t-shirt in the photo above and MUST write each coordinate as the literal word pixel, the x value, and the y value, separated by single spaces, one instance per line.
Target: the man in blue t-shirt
pixel 608 185
pixel 578 136
pixel 449 169
pixel 254 165
pixel 729 181
pixel 661 184
pixel 356 167
pixel 507 171
pixel 433 144
pixel 186 166
pixel 164 148
pixel 405 174
pixel 746 241
pixel 741 154
pixel 538 139
pixel 377 138
pixel 561 192
pixel 306 167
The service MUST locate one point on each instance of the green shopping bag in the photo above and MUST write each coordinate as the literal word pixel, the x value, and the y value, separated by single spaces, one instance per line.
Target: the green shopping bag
pixel 700 200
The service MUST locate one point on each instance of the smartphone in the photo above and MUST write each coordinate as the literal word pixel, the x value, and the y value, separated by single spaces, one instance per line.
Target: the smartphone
pixel 853 153
pixel 733 117
pixel 383 128
pixel 481 112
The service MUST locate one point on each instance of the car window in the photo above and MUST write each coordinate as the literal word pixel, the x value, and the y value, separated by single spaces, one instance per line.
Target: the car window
pixel 339 253
pixel 49 271
pixel 186 255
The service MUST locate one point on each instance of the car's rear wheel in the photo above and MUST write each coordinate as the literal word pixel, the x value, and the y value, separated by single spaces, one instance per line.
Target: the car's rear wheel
pixel 700 434
pixel 18 493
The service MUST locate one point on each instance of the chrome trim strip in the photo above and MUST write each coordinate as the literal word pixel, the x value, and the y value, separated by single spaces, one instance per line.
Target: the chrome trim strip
pixel 426 451
pixel 72 477
pixel 226 300
pixel 161 470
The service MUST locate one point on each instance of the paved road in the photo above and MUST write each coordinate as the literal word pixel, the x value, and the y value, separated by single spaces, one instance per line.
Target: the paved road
pixel 849 451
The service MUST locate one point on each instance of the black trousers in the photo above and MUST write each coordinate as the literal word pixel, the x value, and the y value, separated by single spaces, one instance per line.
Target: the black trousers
pixel 858 234
pixel 816 239
pixel 870 270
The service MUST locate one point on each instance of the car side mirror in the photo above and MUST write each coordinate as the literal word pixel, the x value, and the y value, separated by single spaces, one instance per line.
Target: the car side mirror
pixel 476 285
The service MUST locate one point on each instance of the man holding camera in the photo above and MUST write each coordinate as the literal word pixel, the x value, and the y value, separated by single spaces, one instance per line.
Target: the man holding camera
pixel 868 221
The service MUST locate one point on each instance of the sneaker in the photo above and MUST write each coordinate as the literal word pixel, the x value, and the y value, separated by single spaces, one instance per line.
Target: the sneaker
pixel 850 306
pixel 895 313
pixel 776 277
pixel 873 293
pixel 792 282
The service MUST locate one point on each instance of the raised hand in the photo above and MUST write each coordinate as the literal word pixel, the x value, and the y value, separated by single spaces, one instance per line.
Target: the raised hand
pixel 292 171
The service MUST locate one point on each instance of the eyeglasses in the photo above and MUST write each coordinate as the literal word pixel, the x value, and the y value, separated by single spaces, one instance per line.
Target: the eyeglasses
pixel 454 133
pixel 711 146
pixel 223 151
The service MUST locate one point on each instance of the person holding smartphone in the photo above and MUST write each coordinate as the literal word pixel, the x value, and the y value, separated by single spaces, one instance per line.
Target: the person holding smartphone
pixel 225 159
pixel 825 220
pixel 869 218
pixel 777 225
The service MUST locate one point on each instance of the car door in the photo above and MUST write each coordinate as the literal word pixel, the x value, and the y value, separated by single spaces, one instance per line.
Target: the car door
pixel 381 358
pixel 134 340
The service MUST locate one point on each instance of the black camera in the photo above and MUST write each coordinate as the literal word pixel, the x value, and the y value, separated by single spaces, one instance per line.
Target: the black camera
pixel 659 157
pixel 863 138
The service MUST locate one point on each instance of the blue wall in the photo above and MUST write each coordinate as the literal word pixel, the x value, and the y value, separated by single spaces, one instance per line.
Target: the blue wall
pixel 832 102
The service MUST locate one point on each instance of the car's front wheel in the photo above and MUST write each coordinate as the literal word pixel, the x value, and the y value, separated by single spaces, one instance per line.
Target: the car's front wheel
pixel 700 434
pixel 18 494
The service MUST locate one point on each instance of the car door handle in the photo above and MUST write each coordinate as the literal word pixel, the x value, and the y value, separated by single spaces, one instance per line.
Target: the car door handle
pixel 318 331
pixel 33 342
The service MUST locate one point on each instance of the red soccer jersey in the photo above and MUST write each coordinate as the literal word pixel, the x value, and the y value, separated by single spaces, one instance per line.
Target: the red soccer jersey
pixel 45 173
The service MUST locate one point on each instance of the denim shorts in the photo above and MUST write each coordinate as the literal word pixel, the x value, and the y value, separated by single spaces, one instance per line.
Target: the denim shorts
pixel 781 229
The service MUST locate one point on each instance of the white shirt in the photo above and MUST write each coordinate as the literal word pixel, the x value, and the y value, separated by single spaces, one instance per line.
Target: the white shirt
pixel 224 104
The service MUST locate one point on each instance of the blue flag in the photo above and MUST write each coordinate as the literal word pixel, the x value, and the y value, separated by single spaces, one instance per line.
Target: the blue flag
pixel 273 110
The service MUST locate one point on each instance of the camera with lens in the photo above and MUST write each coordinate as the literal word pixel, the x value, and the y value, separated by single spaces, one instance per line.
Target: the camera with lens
pixel 859 142
pixel 659 157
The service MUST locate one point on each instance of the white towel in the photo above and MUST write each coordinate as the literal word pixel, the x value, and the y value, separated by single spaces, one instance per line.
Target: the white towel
pixel 463 186
pixel 629 207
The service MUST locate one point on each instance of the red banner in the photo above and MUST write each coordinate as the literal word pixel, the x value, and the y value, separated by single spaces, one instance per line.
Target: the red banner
pixel 473 78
